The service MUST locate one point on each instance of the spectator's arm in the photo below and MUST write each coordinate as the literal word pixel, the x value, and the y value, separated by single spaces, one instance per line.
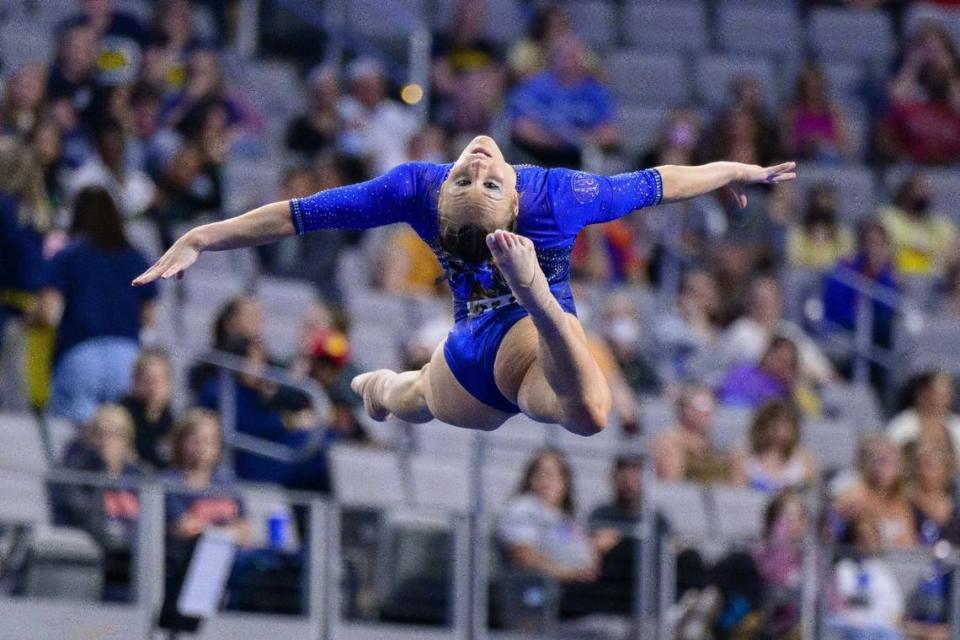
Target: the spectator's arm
pixel 668 461
pixel 49 307
pixel 526 557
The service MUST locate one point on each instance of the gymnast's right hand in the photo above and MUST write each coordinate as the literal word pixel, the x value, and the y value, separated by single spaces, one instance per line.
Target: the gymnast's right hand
pixel 175 261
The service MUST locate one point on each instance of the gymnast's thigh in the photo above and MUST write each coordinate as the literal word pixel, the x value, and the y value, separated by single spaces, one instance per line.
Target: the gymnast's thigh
pixel 449 402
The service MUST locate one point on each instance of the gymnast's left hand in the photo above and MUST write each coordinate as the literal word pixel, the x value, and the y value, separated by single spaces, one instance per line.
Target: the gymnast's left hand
pixel 174 262
pixel 755 174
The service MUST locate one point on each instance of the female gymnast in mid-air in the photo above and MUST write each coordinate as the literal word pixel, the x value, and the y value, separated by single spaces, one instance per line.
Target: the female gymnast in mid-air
pixel 503 235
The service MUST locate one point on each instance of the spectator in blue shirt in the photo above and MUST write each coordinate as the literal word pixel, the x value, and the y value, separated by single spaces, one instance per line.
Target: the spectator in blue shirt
pixel 556 112
pixel 97 313
pixel 120 38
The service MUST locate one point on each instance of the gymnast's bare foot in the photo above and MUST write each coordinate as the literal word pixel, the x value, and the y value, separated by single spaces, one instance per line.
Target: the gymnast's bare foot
pixel 516 259
pixel 370 386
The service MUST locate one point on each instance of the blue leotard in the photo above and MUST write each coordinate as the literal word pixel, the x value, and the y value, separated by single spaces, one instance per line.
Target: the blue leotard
pixel 555 204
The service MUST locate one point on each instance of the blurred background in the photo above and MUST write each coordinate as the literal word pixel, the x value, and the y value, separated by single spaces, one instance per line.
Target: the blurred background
pixel 782 455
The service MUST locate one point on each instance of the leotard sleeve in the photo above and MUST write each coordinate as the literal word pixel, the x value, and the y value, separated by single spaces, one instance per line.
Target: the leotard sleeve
pixel 579 198
pixel 385 200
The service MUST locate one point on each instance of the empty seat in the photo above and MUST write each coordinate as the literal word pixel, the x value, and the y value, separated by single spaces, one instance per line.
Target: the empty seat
pixel 854 185
pixel 845 80
pixel 366 477
pixel 519 434
pixel 730 428
pixel 936 346
pixel 593 21
pixel 685 508
pixel 392 22
pixel 852 403
pixel 641 127
pixel 832 443
pixel 648 78
pixel 852 34
pixel 20 46
pixel 673 26
pixel 21 444
pixel 374 346
pixel 764 30
pixel 441 483
pixel 443 440
pixel 499 485
pixel 739 513
pixel 591 481
pixel 656 415
pixel 715 73
pixel 248 184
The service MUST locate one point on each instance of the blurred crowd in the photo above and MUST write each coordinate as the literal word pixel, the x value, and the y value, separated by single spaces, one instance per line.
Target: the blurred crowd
pixel 135 122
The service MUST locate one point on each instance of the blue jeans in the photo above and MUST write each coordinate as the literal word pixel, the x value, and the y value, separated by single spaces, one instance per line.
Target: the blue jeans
pixel 92 373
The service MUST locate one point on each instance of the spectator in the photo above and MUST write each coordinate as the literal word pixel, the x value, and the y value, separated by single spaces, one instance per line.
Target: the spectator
pixel 927 416
pixel 813 127
pixel 186 190
pixel 142 142
pixel 467 72
pixel 678 141
pixel 297 182
pixel 72 79
pixel 97 313
pixel 317 129
pixel 119 36
pixel 749 336
pixel 932 494
pixel 622 330
pixel 922 123
pixel 687 337
pixel 129 187
pixel 841 301
pixel 149 404
pixel 23 100
pixel 780 559
pixel 684 453
pixel 743 132
pixel 608 253
pixel 868 602
pixel 172 41
pixel 528 56
pixel 820 240
pixel 538 531
pixel 878 497
pixel 375 128
pixel 923 242
pixel 774 377
pixel 109 512
pixel 776 460
pixel 46 143
pixel 558 111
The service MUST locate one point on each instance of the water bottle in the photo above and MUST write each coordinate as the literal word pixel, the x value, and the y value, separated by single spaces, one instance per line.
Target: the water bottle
pixel 929 533
pixel 861 598
pixel 932 605
pixel 278 528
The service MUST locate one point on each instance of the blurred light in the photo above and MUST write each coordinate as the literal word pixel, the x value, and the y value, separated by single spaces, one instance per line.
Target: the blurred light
pixel 411 94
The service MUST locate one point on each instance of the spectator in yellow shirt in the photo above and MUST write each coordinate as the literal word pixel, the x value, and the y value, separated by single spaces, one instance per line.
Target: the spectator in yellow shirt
pixel 924 242
pixel 820 240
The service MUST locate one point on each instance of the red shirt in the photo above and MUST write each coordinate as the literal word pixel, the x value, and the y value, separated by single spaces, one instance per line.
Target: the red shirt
pixel 927 132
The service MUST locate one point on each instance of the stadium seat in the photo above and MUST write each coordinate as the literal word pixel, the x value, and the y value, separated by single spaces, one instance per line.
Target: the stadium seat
pixel 657 414
pixel 441 440
pixel 854 185
pixel 374 346
pixel 845 80
pixel 853 404
pixel 638 78
pixel 519 435
pixel 853 35
pixel 832 443
pixel 499 485
pixel 505 19
pixel 369 18
pixel 919 13
pixel 366 477
pixel 936 346
pixel 685 508
pixel 730 428
pixel 715 73
pixel 641 124
pixel 591 481
pixel 19 46
pixel 753 30
pixel 442 483
pixel 666 27
pixel 739 513
pixel 21 444
pixel 593 21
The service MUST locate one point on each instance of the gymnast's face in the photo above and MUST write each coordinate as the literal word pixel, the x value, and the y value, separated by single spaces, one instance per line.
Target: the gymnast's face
pixel 481 188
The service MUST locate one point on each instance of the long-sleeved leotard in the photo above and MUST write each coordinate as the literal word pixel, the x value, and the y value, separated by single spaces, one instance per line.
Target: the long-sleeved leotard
pixel 555 204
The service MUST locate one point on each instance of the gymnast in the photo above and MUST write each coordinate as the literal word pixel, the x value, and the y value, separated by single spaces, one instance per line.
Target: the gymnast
pixel 503 235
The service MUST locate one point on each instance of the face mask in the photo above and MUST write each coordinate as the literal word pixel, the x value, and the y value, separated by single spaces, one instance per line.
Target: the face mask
pixel 921 204
pixel 624 331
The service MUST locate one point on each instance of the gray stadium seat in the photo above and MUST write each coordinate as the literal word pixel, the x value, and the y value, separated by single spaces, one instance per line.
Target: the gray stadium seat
pixel 832 443
pixel 684 506
pixel 374 346
pixel 854 184
pixel 248 184
pixel 845 80
pixel 504 19
pixel 849 34
pixel 519 434
pixel 499 485
pixel 945 183
pixel 593 21
pixel 19 46
pixel 260 504
pixel 763 30
pixel 21 444
pixel 366 477
pixel 858 132
pixel 851 403
pixel 668 26
pixel 659 79
pixel 370 18
pixel 936 346
pixel 440 483
pixel 591 481
pixel 641 126
pixel 715 73
pixel 444 441
pixel 739 513
pixel 730 428
pixel 657 414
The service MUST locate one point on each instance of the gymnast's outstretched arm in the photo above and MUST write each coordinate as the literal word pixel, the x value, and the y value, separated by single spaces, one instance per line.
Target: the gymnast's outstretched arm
pixel 384 200
pixel 680 183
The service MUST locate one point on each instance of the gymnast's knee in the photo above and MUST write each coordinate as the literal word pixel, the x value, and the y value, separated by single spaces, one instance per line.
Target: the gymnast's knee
pixel 588 416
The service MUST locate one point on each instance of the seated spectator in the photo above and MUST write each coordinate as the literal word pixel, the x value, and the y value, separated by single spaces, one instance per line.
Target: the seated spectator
pixel 608 254
pixel 687 337
pixel 749 336
pixel 773 377
pixel 109 512
pixel 868 603
pixel 744 132
pixel 820 240
pixel 375 128
pixel 622 330
pixel 172 40
pixel 922 123
pixel 780 559
pixel 130 188
pixel 924 242
pixel 187 188
pixel 932 469
pixel 72 79
pixel 46 143
pixel 467 72
pixel 316 130
pixel 678 141
pixel 528 56
pixel 538 532
pixel 407 266
pixel 149 404
pixel 776 460
pixel 684 453
pixel 97 313
pixel 332 369
pixel 878 498
pixel 23 100
pixel 927 416
pixel 556 112
pixel 120 38
pixel 813 127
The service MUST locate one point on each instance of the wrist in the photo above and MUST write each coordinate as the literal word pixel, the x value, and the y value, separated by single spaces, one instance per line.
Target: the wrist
pixel 198 238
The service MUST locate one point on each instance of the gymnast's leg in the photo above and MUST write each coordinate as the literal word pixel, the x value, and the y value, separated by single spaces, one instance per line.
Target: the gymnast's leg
pixel 562 382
